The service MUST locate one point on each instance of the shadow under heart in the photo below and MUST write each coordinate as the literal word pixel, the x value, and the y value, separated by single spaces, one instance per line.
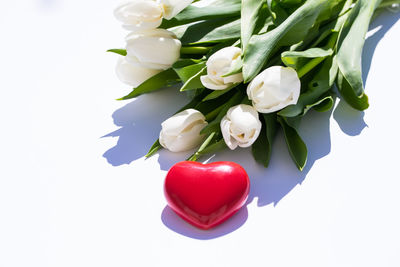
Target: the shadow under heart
pixel 139 123
pixel 171 220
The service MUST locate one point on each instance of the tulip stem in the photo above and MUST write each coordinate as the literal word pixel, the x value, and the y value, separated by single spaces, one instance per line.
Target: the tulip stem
pixel 195 50
pixel 309 66
pixel 196 155
pixel 315 61
pixel 210 116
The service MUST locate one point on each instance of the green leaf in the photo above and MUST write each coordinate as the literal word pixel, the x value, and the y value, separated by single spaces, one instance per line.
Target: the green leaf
pixel 194 102
pixel 187 72
pixel 268 24
pixel 296 146
pixel 213 147
pixel 214 126
pixel 194 93
pixel 235 68
pixel 212 144
pixel 181 63
pixel 294 58
pixel 262 147
pixel 250 15
pixel 196 155
pixel 121 52
pixel 278 13
pixel 209 31
pixel 219 46
pixel 206 107
pixel 349 51
pixel 289 32
pixel 331 10
pixel 323 105
pixel 154 148
pixel 161 80
pixel 195 50
pixel 331 28
pixel 289 3
pixel 318 86
pixel 214 10
pixel 217 93
pixel 194 82
pixel 347 92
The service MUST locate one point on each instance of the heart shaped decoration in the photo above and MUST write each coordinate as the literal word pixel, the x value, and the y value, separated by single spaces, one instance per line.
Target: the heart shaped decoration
pixel 205 195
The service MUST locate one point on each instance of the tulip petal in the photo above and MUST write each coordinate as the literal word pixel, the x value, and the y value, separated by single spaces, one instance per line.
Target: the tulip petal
pixel 241 126
pixel 225 129
pixel 274 89
pixel 219 64
pixel 142 25
pixel 177 123
pixel 183 141
pixel 133 75
pixel 173 7
pixel 139 15
pixel 156 47
pixel 236 78
pixel 210 84
pixel 135 61
pixel 181 132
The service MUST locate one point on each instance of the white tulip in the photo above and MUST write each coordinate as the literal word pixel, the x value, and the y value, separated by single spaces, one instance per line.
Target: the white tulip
pixel 219 64
pixel 240 126
pixel 139 15
pixel 181 132
pixel 173 7
pixel 274 89
pixel 133 75
pixel 154 49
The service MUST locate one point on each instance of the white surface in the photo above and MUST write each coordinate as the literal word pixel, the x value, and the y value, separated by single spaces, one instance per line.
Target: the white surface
pixel 76 191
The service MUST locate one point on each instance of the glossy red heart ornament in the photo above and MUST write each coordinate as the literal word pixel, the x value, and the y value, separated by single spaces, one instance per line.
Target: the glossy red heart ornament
pixel 205 195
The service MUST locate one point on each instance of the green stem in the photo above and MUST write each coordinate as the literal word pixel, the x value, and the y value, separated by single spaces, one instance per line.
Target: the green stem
pixel 315 61
pixel 195 50
pixel 195 156
pixel 210 116
pixel 309 66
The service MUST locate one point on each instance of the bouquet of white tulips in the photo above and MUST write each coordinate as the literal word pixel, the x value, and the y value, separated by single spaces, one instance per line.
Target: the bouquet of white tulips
pixel 248 66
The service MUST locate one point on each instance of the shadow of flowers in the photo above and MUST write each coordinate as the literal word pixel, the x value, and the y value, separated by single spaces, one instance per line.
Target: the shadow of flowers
pixel 140 120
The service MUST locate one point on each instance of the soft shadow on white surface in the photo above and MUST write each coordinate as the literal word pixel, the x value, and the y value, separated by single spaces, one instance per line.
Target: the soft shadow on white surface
pixel 383 23
pixel 351 121
pixel 139 123
pixel 268 185
pixel 171 220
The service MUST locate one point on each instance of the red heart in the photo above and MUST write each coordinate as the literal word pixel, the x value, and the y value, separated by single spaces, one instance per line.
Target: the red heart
pixel 205 195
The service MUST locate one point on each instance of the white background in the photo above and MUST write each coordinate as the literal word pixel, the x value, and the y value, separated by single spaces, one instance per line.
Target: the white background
pixel 76 191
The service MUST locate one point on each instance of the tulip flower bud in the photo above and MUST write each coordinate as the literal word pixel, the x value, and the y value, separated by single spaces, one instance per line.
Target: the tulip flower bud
pixel 154 49
pixel 181 132
pixel 133 75
pixel 274 89
pixel 173 7
pixel 139 15
pixel 240 126
pixel 219 64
